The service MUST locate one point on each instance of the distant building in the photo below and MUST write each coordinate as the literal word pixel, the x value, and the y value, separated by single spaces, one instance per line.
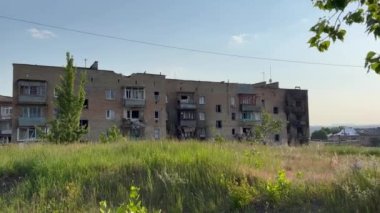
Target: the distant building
pixel 5 119
pixel 346 134
pixel 369 136
pixel 151 106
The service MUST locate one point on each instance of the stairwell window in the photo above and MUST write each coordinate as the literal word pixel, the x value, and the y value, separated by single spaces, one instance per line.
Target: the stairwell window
pixel 156 115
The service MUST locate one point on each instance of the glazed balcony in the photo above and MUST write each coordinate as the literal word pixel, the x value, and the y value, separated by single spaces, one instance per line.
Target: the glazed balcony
pixel 134 103
pixel 27 121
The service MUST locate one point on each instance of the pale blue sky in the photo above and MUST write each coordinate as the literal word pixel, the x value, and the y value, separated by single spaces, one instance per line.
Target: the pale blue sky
pixel 272 28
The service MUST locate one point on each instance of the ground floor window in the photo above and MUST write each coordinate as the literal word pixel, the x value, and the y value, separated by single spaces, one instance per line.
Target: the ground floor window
pixel 26 134
pixel 156 133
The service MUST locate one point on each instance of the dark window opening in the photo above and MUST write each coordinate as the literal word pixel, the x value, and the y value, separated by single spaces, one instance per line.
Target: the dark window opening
pixel 218 124
pixel 85 104
pixel 299 131
pixel 83 123
pixel 233 116
pixel 92 79
pixel 135 114
pixel 156 96
pixel 218 108
pixel 298 103
pixel 277 137
pixel 262 102
pixel 233 131
pixel 156 115
pixel 275 110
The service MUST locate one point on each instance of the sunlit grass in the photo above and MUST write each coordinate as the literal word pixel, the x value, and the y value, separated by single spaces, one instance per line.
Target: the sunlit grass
pixel 187 176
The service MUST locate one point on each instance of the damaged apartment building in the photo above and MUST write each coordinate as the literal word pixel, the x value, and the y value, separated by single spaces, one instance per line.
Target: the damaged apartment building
pixel 150 106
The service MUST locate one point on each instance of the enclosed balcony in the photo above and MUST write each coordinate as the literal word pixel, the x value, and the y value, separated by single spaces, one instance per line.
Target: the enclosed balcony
pixel 250 108
pixel 186 101
pixel 188 123
pixel 34 121
pixel 32 92
pixel 131 103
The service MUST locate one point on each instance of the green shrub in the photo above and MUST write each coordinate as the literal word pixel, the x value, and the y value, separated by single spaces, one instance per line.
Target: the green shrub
pixel 113 134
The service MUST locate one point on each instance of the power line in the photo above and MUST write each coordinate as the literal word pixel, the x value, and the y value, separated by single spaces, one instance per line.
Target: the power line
pixel 175 47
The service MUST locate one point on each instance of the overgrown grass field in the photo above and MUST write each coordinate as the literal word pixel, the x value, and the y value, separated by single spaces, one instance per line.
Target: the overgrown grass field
pixel 189 177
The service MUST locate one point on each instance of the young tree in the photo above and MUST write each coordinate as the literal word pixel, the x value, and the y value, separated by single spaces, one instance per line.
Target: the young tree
pixel 268 126
pixel 65 128
pixel 347 12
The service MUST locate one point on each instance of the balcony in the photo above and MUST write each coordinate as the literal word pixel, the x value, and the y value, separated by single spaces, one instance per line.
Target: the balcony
pixel 187 105
pixel 249 108
pixel 188 123
pixel 130 103
pixel 6 132
pixel 32 99
pixel 5 117
pixel 25 121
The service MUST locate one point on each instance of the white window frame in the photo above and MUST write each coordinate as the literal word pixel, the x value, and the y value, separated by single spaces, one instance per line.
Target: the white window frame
pixel 156 133
pixel 110 114
pixel 32 112
pixel 6 111
pixel 133 93
pixel 202 100
pixel 201 116
pixel 28 130
pixel 110 94
pixel 232 100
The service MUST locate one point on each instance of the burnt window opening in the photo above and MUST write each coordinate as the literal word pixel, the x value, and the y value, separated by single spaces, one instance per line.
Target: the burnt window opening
pixel 299 131
pixel 135 114
pixel 219 124
pixel 218 108
pixel 233 116
pixel 85 104
pixel 156 115
pixel 277 138
pixel 275 110
pixel 83 123
pixel 156 96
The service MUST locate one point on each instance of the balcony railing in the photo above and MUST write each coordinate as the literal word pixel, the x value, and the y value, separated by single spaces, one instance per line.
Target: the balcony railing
pixel 189 105
pixel 25 121
pixel 134 102
pixel 6 132
pixel 31 99
pixel 5 117
pixel 249 108
pixel 188 123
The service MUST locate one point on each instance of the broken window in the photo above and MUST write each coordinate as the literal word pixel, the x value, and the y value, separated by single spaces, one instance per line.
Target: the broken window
pixel 233 131
pixel 83 123
pixel 275 110
pixel 233 116
pixel 156 115
pixel 156 96
pixel 110 114
pixel 218 124
pixel 277 138
pixel 218 108
pixel 298 103
pixel 85 104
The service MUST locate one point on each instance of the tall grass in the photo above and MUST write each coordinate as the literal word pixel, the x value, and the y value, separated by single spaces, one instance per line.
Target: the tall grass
pixel 187 177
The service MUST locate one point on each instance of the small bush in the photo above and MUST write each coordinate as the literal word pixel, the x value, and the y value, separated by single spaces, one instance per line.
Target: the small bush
pixel 112 135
